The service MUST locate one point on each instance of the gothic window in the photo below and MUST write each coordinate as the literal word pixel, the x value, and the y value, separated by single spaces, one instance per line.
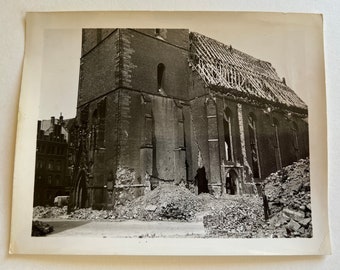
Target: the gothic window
pixel 148 127
pixel 228 135
pixel 94 129
pixel 180 135
pixel 295 140
pixel 101 123
pixel 276 142
pixel 253 145
pixel 160 76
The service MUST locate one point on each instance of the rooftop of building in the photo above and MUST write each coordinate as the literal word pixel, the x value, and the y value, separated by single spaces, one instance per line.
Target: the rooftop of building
pixel 224 67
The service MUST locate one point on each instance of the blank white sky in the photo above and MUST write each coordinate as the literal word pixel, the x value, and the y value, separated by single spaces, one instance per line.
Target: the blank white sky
pixel 292 43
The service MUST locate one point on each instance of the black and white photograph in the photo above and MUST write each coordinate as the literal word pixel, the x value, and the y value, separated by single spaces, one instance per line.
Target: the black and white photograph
pixel 172 131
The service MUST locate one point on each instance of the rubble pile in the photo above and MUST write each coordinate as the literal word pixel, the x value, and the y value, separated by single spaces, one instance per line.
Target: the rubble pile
pixel 288 193
pixel 40 228
pixel 49 212
pixel 238 216
pixel 90 214
pixel 166 202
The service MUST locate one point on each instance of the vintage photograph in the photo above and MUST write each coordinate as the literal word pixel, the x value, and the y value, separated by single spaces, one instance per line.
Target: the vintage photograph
pixel 171 133
pixel 174 134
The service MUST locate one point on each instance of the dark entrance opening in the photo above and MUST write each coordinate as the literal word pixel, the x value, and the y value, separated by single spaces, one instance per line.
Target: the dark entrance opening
pixel 230 183
pixel 201 180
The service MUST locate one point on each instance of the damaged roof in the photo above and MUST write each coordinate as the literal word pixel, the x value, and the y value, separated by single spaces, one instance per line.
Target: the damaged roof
pixel 222 66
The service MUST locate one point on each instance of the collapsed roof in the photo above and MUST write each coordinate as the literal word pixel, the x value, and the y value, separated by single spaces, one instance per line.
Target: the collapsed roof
pixel 223 67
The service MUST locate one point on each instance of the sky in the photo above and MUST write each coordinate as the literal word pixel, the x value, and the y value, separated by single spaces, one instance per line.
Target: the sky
pixel 290 43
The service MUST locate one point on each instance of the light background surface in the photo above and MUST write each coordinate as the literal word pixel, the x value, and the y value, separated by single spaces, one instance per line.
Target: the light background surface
pixel 12 44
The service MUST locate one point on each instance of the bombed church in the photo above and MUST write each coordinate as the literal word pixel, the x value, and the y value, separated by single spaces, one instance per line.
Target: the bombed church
pixel 170 106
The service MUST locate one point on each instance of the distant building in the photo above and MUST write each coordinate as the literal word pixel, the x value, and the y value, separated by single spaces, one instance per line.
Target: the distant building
pixel 167 105
pixel 52 176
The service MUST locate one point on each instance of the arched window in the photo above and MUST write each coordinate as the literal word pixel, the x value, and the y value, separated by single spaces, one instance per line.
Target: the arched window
pixel 160 76
pixel 101 123
pixel 94 129
pixel 228 144
pixel 276 142
pixel 295 140
pixel 253 145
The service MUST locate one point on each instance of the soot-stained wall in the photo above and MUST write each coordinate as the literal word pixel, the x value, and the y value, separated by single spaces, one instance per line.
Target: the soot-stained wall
pixel 162 122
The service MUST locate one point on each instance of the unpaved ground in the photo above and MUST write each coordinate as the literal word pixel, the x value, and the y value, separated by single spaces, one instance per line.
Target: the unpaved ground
pixel 127 228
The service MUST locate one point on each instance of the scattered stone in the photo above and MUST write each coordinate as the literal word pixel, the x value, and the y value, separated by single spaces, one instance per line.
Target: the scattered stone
pixel 305 221
pixel 151 208
pixel 293 225
pixel 293 214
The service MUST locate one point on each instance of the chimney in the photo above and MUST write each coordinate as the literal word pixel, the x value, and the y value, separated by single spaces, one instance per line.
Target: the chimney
pixel 39 127
pixel 284 80
pixel 52 120
pixel 61 119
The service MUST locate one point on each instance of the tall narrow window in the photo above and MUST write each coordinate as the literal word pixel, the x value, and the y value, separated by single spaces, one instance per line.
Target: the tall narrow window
pixel 180 130
pixel 295 140
pixel 160 76
pixel 50 165
pixel 94 129
pixel 148 130
pixel 253 145
pixel 277 144
pixel 101 123
pixel 228 135
pixel 58 165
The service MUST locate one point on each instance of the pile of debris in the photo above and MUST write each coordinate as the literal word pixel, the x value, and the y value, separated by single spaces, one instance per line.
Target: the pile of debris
pixel 40 228
pixel 166 202
pixel 288 193
pixel 90 214
pixel 49 212
pixel 237 216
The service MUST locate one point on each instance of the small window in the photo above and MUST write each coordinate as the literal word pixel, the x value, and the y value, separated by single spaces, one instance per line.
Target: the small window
pixel 58 165
pixel 57 180
pixel 49 179
pixel 50 165
pixel 160 76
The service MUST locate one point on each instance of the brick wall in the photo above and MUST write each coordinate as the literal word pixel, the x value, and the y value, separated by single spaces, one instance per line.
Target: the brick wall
pixel 145 54
pixel 98 70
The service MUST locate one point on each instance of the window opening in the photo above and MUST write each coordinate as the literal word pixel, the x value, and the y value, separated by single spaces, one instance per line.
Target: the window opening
pixel 160 76
pixel 253 146
pixel 277 145
pixel 228 135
